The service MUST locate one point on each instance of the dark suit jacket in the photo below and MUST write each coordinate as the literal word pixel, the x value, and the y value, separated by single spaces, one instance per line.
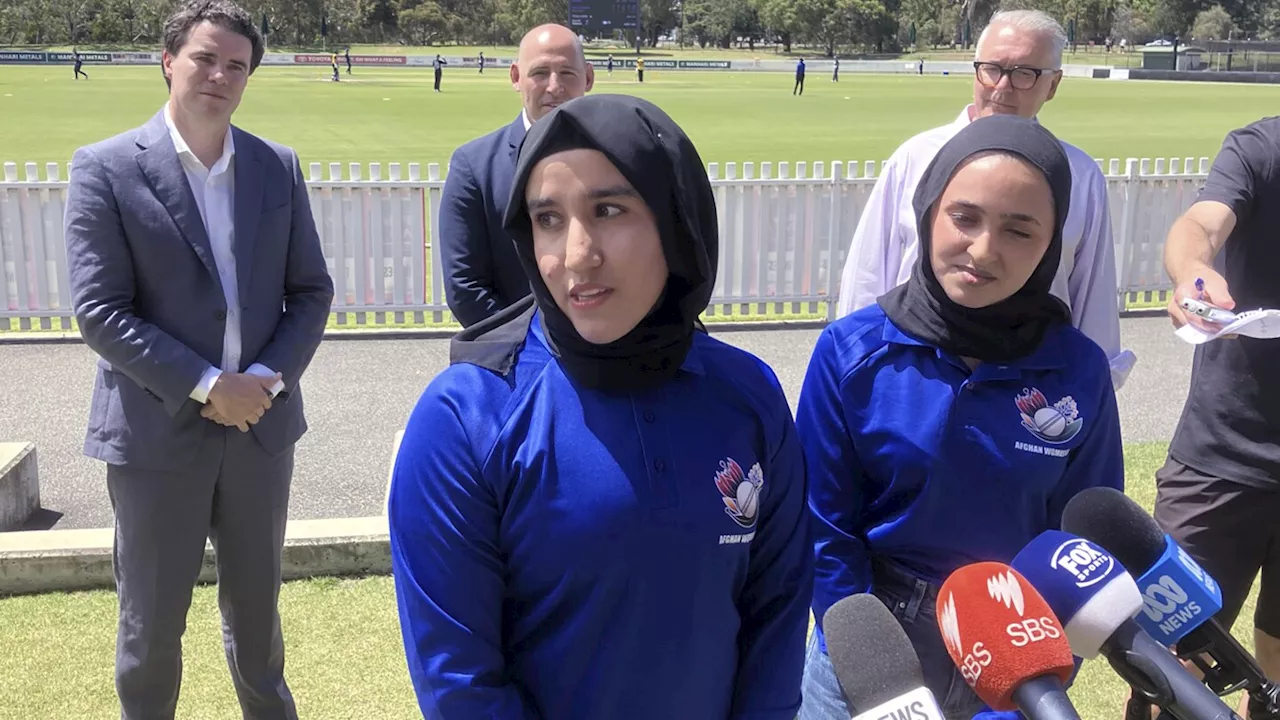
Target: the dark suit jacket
pixel 148 299
pixel 481 271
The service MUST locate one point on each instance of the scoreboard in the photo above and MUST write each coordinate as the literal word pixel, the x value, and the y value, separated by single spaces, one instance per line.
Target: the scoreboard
pixel 603 15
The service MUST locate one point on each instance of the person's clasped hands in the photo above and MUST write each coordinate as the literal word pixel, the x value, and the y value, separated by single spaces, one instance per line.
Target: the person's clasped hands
pixel 239 400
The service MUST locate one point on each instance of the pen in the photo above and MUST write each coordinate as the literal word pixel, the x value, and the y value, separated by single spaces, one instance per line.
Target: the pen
pixel 1200 288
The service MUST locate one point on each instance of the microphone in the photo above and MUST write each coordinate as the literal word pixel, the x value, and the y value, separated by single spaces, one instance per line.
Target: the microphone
pixel 1179 597
pixel 875 663
pixel 1096 599
pixel 1178 593
pixel 1006 641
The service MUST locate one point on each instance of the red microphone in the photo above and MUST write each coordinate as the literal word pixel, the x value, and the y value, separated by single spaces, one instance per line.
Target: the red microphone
pixel 1008 644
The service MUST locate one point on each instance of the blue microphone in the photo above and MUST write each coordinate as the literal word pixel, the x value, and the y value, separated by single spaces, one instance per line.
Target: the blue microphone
pixel 1086 587
pixel 1095 599
pixel 1179 597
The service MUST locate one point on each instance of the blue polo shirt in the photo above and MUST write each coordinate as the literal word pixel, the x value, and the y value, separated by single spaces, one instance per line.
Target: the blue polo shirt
pixel 913 457
pixel 565 553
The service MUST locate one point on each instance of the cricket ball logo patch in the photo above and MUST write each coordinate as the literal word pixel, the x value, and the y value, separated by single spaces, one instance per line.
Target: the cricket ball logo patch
pixel 1054 424
pixel 741 491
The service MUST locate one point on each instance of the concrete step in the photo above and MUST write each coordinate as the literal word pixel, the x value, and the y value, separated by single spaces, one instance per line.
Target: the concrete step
pixel 65 560
pixel 19 484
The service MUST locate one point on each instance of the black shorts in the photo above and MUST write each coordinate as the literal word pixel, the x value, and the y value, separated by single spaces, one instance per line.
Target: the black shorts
pixel 1231 529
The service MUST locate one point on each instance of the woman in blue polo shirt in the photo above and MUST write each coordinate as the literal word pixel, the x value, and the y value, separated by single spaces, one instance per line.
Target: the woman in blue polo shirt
pixel 951 422
pixel 598 511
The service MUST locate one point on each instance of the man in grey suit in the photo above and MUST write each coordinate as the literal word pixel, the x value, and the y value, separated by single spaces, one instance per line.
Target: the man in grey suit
pixel 198 279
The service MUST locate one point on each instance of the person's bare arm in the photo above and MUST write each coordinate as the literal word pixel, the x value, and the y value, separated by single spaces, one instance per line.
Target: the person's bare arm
pixel 1193 242
pixel 1244 167
pixel 1196 237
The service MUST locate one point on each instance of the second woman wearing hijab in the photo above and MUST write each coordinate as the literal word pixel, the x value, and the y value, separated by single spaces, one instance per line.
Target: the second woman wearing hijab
pixel 598 511
pixel 952 422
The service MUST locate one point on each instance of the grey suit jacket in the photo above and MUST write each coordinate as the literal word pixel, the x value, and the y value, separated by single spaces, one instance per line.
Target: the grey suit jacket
pixel 149 301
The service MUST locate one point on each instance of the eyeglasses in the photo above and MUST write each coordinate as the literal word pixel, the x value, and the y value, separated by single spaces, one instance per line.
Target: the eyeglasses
pixel 1021 77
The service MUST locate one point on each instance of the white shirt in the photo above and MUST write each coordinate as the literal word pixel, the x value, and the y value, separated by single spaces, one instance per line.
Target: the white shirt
pixel 886 247
pixel 524 115
pixel 214 189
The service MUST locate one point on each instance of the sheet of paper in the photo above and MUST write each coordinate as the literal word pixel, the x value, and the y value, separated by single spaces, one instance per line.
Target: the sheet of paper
pixel 1262 324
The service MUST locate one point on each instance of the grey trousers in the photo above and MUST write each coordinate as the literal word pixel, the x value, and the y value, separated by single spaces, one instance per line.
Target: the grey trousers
pixel 236 495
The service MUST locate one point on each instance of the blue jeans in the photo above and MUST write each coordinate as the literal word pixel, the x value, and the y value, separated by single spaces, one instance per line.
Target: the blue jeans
pixel 913 605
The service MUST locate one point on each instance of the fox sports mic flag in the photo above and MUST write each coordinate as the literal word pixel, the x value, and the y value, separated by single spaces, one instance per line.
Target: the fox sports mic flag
pixel 1087 588
pixel 1000 632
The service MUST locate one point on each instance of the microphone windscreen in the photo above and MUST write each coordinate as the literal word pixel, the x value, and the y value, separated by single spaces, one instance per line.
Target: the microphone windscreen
pixel 871 654
pixel 1000 632
pixel 1109 518
pixel 1089 591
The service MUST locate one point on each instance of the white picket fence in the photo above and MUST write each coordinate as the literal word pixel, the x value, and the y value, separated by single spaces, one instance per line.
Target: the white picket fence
pixel 784 233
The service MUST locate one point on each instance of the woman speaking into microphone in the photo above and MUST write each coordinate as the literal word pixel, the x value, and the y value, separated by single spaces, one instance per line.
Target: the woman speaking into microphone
pixel 951 422
pixel 598 511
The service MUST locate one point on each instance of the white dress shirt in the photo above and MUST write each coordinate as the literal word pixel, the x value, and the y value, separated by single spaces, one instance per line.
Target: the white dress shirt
pixel 886 246
pixel 215 191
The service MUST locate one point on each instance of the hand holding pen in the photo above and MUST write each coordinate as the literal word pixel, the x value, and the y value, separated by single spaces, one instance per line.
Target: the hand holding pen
pixel 1206 288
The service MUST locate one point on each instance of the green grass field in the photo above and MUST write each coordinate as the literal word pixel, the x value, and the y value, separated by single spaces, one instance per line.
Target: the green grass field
pixel 354 668
pixel 345 658
pixel 388 115
pixel 391 115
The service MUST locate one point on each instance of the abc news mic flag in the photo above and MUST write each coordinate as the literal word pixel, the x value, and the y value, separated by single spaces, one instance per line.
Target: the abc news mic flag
pixel 1006 641
pixel 1096 598
pixel 875 663
pixel 1179 597
pixel 1178 594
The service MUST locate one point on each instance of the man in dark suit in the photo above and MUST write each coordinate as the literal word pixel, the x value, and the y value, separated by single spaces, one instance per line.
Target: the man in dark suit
pixel 198 279
pixel 481 270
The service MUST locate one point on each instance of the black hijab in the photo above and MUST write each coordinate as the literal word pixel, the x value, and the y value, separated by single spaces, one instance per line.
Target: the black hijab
pixel 659 161
pixel 1012 328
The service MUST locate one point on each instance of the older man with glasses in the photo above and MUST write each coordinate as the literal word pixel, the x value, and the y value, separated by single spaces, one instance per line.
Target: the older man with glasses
pixel 1017 69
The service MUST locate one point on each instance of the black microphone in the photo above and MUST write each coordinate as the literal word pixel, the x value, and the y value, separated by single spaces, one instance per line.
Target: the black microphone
pixel 875 662
pixel 1179 596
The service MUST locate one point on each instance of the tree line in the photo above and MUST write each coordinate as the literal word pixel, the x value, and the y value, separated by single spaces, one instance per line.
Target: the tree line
pixel 829 26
